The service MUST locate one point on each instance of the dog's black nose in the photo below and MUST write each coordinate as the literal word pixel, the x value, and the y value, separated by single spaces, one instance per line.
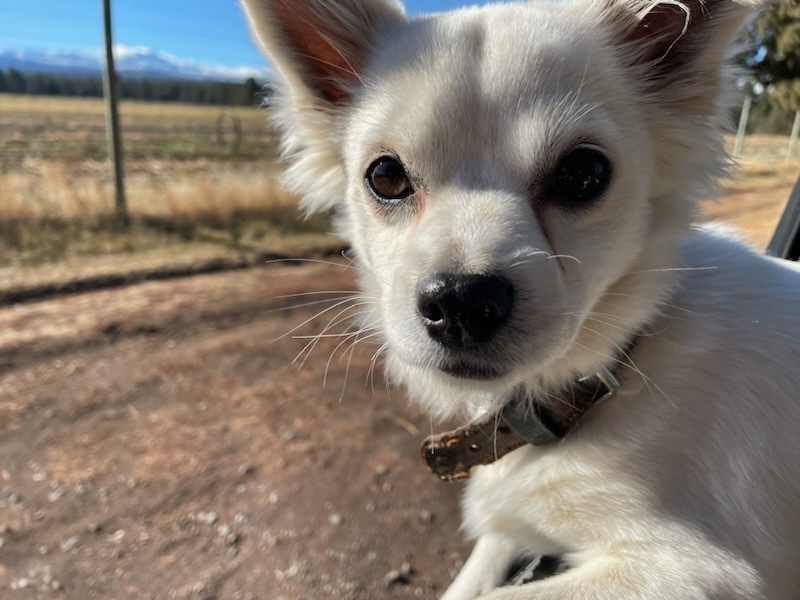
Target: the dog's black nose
pixel 460 311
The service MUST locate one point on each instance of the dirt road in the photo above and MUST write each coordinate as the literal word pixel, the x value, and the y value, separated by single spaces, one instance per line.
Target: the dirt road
pixel 156 443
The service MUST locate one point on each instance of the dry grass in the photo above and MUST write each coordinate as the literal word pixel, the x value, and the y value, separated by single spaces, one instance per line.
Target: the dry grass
pixel 210 193
pixel 53 210
pixel 185 182
pixel 754 199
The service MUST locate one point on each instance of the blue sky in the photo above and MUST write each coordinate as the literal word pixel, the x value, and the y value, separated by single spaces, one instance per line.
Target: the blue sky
pixel 207 31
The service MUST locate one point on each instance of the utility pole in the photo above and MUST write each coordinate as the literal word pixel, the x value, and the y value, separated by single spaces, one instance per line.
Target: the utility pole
pixel 112 122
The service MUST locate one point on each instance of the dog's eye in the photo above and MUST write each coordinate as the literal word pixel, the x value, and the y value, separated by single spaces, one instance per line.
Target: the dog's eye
pixel 581 176
pixel 388 180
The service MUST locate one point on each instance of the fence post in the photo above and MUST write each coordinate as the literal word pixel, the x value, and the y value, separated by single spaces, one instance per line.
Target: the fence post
pixel 737 147
pixel 793 139
pixel 112 121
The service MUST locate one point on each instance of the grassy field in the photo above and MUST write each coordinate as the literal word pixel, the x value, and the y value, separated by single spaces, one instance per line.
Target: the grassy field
pixel 70 129
pixel 189 182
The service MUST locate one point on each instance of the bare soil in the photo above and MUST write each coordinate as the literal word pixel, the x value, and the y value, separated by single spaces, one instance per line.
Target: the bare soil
pixel 156 443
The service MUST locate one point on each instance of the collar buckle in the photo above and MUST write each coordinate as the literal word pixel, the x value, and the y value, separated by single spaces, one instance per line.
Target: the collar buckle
pixel 610 386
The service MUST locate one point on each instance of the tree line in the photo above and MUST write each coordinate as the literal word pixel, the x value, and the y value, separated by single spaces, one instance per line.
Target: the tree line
pixel 247 93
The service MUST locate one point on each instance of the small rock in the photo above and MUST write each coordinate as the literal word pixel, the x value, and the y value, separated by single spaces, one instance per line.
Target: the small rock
pixel 56 585
pixel 94 528
pixel 21 583
pixel 335 519
pixel 395 577
pixel 426 516
pixel 293 570
pixel 240 518
pixel 15 499
pixel 69 544
pixel 381 470
pixel 117 536
pixel 246 470
pixel 371 556
pixel 55 495
pixel 207 518
pixel 338 556
pixel 38 477
pixel 386 487
pixel 232 538
pixel 223 530
pixel 43 550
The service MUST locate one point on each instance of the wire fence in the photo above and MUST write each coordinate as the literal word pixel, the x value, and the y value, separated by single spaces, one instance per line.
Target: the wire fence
pixel 68 129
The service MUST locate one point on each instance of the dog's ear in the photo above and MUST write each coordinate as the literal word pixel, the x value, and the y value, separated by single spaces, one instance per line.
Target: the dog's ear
pixel 319 49
pixel 679 47
pixel 318 44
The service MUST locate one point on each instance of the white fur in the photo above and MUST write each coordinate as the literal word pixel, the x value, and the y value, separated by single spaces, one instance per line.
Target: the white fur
pixel 687 484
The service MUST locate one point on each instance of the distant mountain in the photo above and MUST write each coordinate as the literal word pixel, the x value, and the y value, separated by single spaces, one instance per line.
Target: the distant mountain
pixel 132 62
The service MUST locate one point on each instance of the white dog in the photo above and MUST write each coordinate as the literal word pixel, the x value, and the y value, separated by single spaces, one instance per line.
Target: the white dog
pixel 518 182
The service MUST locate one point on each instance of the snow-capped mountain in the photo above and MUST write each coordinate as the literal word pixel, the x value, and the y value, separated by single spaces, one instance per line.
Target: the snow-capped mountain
pixel 133 62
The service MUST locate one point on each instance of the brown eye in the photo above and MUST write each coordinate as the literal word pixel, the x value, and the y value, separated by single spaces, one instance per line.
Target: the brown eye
pixel 581 177
pixel 388 180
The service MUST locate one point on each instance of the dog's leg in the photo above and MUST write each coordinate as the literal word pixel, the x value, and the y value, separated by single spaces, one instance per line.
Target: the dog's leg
pixel 486 568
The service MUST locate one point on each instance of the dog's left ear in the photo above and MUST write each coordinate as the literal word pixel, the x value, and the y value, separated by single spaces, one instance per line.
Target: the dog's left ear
pixel 320 46
pixel 679 47
pixel 320 49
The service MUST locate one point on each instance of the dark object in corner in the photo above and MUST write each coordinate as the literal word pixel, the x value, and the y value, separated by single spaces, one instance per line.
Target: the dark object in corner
pixel 785 242
pixel 529 568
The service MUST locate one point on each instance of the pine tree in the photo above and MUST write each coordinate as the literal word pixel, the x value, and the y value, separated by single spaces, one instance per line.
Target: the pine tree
pixel 16 82
pixel 774 58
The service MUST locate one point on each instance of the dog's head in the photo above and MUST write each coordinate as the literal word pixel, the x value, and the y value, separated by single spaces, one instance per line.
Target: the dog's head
pixel 513 178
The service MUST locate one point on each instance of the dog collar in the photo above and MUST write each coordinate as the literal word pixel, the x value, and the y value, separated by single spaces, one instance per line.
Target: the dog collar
pixel 453 455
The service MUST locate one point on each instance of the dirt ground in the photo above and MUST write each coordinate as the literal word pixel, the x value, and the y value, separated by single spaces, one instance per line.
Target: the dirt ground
pixel 157 443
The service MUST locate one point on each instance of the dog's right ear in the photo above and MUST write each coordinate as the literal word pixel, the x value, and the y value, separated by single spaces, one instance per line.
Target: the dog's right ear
pixel 319 49
pixel 679 47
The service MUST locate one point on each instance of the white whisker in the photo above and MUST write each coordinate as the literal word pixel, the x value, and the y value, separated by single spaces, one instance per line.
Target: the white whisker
pixel 319 314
